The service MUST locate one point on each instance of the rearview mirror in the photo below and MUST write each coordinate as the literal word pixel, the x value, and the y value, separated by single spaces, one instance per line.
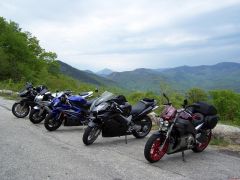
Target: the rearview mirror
pixel 185 102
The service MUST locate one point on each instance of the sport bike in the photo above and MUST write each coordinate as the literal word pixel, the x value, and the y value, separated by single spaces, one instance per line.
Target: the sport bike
pixel 114 116
pixel 43 105
pixel 21 108
pixel 182 129
pixel 70 110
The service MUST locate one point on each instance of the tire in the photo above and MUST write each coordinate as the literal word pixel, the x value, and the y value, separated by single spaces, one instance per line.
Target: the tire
pixel 15 110
pixel 90 135
pixel 146 126
pixel 35 118
pixel 200 147
pixel 52 124
pixel 152 147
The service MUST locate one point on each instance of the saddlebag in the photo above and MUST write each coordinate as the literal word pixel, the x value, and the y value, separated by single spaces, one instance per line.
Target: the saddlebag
pixel 205 109
pixel 211 121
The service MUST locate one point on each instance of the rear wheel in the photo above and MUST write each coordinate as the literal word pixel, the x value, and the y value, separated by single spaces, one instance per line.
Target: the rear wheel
pixel 152 150
pixel 34 116
pixel 201 146
pixel 90 134
pixel 51 123
pixel 20 110
pixel 145 126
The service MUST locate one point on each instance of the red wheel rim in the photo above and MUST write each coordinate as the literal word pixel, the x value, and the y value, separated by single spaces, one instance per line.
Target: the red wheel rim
pixel 155 152
pixel 202 146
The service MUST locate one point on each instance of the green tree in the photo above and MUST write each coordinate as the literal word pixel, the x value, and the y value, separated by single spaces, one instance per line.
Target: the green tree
pixel 196 95
pixel 227 103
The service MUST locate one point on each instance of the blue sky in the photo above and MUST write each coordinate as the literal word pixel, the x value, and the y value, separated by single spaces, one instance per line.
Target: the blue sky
pixel 124 35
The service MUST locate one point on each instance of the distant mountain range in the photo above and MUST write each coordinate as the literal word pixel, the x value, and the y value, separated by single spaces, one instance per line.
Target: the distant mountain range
pixel 105 72
pixel 224 75
pixel 85 76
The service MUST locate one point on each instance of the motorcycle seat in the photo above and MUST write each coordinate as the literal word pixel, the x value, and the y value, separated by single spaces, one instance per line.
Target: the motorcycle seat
pixel 148 102
pixel 83 93
pixel 138 108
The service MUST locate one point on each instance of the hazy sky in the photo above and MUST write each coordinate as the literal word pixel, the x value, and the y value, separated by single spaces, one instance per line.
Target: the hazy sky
pixel 128 34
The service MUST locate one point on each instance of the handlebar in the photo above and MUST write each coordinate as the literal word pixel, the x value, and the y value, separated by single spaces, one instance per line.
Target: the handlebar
pixel 168 102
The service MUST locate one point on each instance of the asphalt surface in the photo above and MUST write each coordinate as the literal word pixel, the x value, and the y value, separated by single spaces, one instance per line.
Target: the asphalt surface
pixel 29 151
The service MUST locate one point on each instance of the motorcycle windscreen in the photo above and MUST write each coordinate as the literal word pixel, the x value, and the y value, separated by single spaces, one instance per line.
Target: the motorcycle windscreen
pixel 106 96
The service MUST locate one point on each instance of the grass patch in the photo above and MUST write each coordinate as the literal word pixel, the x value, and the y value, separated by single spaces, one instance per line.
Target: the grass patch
pixel 10 97
pixel 155 127
pixel 219 142
pixel 235 122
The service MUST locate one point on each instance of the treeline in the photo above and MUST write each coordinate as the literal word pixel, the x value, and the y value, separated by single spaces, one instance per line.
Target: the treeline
pixel 23 60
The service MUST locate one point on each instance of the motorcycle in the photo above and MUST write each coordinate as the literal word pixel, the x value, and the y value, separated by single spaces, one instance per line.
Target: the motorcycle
pixel 114 116
pixel 43 101
pixel 22 108
pixel 182 129
pixel 72 110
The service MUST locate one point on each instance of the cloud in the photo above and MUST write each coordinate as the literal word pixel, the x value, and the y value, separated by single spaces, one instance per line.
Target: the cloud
pixel 129 34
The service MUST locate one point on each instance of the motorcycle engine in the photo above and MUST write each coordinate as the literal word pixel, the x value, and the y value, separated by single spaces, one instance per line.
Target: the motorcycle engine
pixel 187 141
pixel 190 141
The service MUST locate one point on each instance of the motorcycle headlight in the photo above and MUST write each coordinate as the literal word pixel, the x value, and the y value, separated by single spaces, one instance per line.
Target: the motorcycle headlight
pixel 166 123
pixel 38 98
pixel 161 123
pixel 101 107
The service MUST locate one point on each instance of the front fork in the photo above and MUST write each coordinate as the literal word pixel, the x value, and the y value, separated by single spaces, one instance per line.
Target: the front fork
pixel 167 137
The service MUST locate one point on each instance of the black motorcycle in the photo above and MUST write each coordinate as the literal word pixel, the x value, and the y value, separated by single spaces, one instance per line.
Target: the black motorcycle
pixel 182 129
pixel 22 108
pixel 114 116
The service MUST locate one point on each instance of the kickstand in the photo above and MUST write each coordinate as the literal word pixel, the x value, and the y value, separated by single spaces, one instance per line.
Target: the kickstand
pixel 183 156
pixel 126 139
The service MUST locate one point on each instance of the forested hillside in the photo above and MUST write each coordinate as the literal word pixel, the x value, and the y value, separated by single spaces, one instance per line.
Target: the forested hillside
pixel 84 76
pixel 22 59
pixel 220 76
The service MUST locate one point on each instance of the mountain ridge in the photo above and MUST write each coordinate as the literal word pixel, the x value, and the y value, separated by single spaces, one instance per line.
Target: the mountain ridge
pixel 219 76
pixel 84 76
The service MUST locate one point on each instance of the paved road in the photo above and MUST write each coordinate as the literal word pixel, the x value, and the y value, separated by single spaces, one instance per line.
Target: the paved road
pixel 29 151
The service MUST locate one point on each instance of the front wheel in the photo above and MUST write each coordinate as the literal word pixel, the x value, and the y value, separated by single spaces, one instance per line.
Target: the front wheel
pixel 34 116
pixel 145 126
pixel 51 123
pixel 153 150
pixel 91 134
pixel 199 147
pixel 20 110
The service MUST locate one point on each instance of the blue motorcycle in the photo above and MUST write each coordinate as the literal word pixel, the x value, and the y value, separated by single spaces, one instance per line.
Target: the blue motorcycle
pixel 68 110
